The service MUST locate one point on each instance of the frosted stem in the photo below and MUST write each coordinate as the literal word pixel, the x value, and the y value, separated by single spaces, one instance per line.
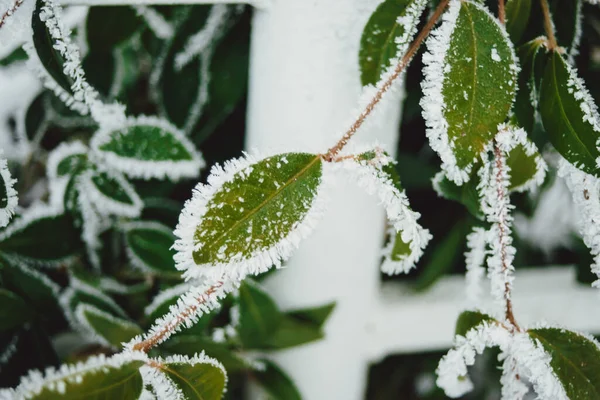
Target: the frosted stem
pixel 501 12
pixel 384 86
pixel 548 25
pixel 10 12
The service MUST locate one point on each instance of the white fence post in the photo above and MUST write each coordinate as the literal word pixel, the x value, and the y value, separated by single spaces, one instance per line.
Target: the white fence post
pixel 304 86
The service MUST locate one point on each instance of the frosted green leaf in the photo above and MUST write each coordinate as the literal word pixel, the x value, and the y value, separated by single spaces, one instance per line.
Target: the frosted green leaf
pixel 8 195
pixel 98 378
pixel 149 246
pixel 569 115
pixel 148 147
pixel 66 159
pixel 14 311
pixel 468 320
pixel 386 36
pixel 575 361
pixel 111 193
pixel 517 18
pixel 30 284
pixel 251 214
pixel 469 87
pixel 111 330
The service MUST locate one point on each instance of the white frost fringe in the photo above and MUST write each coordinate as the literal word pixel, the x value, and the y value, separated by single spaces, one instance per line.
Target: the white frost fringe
pixel 63 151
pixel 477 242
pixel 187 311
pixel 166 295
pixel 12 200
pixel 403 220
pixel 238 267
pixel 527 357
pixel 17 23
pixel 147 169
pixel 135 260
pixel 585 189
pixel 55 380
pixel 106 205
pixel 161 28
pixel 88 329
pixel 433 104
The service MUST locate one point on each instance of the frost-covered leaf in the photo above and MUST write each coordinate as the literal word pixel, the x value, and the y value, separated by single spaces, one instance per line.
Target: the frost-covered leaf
pixel 275 382
pixel 567 19
pixel 66 159
pixel 190 378
pixel 99 377
pixel 387 35
pixel 251 214
pixel 569 115
pixel 14 311
pixel 517 18
pixel 466 194
pixel 30 284
pixel 149 246
pixel 470 84
pixel 111 330
pixel 50 57
pixel 375 172
pixel 111 193
pixel 148 147
pixel 468 320
pixel 42 235
pixel 8 195
pixel 531 59
pixel 259 315
pixel 575 359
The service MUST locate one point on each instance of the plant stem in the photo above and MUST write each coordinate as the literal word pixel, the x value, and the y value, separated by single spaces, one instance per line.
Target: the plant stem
pixel 502 223
pixel 548 25
pixel 501 12
pixel 10 11
pixel 400 67
pixel 159 336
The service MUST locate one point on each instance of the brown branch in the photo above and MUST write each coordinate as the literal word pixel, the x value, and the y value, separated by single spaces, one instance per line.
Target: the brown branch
pixel 501 12
pixel 501 224
pixel 159 336
pixel 10 12
pixel 331 153
pixel 548 26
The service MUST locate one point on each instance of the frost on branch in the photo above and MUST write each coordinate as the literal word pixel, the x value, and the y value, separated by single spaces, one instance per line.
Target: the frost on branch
pixel 252 213
pixel 475 256
pixel 148 147
pixel 466 95
pixel 15 20
pixel 8 195
pixel 374 171
pixel 585 189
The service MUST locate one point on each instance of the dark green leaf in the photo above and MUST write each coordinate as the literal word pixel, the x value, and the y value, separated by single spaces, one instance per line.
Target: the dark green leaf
pixel 112 194
pixel 111 329
pixel 468 320
pixel 517 17
pixel 258 208
pixel 109 26
pixel 275 382
pixel 315 315
pixel 82 293
pixel 149 247
pixel 567 22
pixel 30 284
pixel 531 60
pixel 44 238
pixel 16 55
pixel 466 194
pixel 575 360
pixel 259 315
pixel 196 344
pixel 569 115
pixel 383 36
pixel 293 332
pixel 201 381
pixel 14 311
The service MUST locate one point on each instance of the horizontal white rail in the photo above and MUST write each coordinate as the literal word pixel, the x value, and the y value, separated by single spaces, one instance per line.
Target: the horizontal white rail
pixel 408 322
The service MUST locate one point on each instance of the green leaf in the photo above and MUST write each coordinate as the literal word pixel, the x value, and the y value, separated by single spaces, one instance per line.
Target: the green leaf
pixel 531 62
pixel 109 26
pixel 199 381
pixel 50 58
pixel 292 332
pixel 275 382
pixel 149 247
pixel 467 194
pixel 517 18
pixel 148 147
pixel 30 284
pixel 468 320
pixel 567 22
pixel 113 331
pixel 569 115
pixel 388 32
pixel 67 159
pixel 260 206
pixel 315 315
pixel 111 193
pixel 42 237
pixel 469 91
pixel 523 167
pixel 259 315
pixel 196 344
pixel 82 293
pixel 95 380
pixel 575 361
pixel 16 55
pixel 14 311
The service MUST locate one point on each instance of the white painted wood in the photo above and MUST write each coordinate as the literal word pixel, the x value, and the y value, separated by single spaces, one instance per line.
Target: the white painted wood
pixel 304 86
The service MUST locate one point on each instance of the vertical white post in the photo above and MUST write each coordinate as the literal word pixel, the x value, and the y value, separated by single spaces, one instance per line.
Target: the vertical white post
pixel 304 86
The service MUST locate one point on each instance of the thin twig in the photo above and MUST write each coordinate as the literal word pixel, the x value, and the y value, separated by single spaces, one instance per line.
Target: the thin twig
pixel 501 12
pixel 388 83
pixel 502 221
pixel 548 25
pixel 10 11
pixel 158 337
